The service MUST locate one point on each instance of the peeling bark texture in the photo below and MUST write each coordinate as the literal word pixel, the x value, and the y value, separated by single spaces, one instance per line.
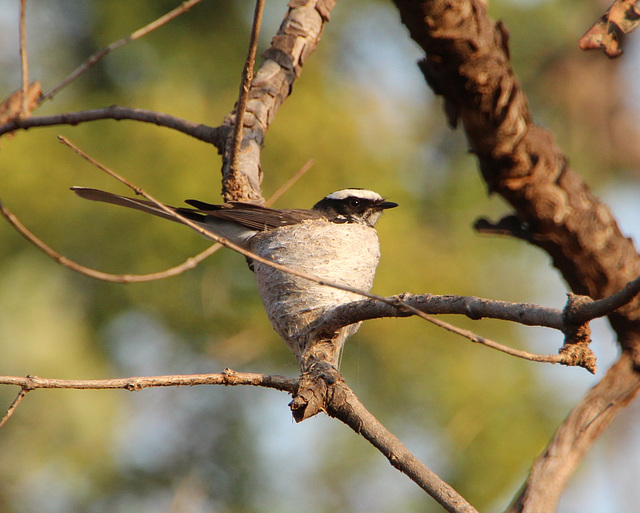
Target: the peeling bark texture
pixel 467 62
pixel 296 39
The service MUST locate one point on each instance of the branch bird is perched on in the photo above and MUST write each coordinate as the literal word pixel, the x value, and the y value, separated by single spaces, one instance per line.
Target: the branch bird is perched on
pixel 335 240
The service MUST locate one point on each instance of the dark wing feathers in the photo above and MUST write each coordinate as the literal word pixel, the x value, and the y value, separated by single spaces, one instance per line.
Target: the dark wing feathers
pixel 249 215
pixel 254 217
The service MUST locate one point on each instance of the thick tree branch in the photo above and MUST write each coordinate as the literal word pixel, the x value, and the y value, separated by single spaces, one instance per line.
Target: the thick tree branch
pixel 324 389
pixel 296 39
pixel 467 61
pixel 588 419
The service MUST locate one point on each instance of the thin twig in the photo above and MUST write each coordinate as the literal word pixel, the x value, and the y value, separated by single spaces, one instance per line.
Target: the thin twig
pixel 24 60
pixel 13 406
pixel 103 52
pixel 213 135
pixel 190 263
pixel 247 78
pixel 228 377
pixel 525 355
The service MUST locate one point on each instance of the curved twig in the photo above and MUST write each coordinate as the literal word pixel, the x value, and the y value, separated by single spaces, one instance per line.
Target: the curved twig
pixel 213 135
pixel 190 263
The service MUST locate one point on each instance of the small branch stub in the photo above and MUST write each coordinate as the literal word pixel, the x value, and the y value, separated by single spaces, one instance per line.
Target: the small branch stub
pixel 312 394
pixel 576 350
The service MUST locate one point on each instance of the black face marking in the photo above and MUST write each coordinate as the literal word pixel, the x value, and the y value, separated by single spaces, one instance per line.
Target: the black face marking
pixel 352 209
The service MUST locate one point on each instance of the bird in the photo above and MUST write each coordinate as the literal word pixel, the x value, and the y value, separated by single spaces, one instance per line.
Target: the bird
pixel 335 240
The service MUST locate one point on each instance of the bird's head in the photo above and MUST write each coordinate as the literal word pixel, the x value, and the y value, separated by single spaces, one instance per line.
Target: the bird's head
pixel 353 206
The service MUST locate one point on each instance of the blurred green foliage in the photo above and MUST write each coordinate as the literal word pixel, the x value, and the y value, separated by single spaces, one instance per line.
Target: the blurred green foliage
pixel 476 417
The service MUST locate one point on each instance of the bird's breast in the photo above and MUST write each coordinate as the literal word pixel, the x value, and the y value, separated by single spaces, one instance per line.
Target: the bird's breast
pixel 344 253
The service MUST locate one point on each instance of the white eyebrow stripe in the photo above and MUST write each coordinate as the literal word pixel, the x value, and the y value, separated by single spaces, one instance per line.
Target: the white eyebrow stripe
pixel 358 193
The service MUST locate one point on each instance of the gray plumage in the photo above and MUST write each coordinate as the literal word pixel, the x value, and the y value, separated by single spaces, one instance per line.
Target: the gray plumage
pixel 335 240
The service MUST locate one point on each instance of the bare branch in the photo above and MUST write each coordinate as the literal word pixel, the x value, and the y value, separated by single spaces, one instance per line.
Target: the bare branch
pixel 190 263
pixel 588 419
pixel 13 407
pixel 103 52
pixel 228 378
pixel 518 159
pixel 324 389
pixel 296 39
pixel 474 308
pixel 575 351
pixel 610 304
pixel 213 135
pixel 245 84
pixel 24 61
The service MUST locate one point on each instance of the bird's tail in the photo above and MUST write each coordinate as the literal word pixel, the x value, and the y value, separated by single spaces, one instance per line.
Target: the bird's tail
pixel 137 204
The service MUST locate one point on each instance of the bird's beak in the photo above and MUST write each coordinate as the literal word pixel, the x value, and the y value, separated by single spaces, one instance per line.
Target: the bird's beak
pixel 387 204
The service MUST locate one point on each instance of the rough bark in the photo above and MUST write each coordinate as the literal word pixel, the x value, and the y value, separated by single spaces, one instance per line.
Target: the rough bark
pixel 467 62
pixel 296 39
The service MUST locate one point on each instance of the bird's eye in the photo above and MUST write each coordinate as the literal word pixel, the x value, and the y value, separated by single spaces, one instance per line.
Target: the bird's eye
pixel 354 202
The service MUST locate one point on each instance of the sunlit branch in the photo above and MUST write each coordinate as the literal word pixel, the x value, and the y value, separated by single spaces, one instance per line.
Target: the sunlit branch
pixel 190 263
pixel 347 407
pixel 245 85
pixel 228 378
pixel 24 61
pixel 13 406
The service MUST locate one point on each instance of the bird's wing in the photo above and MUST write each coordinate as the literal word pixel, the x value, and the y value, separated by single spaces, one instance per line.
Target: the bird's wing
pixel 248 215
pixel 254 217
